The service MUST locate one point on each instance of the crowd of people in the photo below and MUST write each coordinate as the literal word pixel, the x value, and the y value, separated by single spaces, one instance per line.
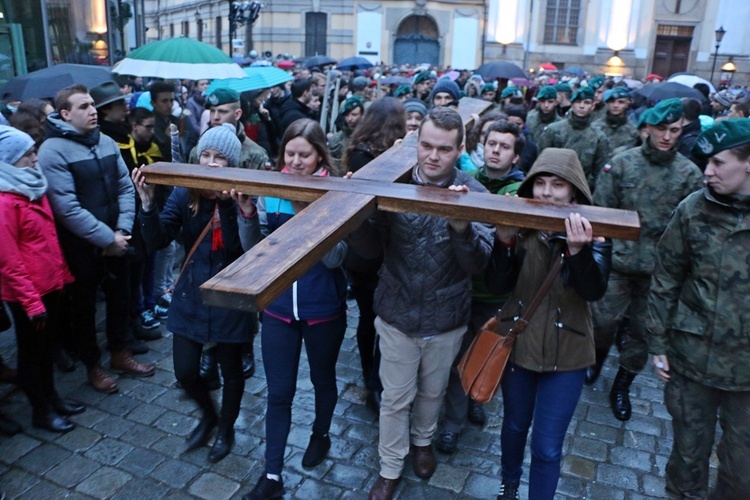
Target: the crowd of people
pixel 79 224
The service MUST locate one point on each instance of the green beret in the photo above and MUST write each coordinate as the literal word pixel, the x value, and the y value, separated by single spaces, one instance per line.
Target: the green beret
pixel 350 104
pixel 643 119
pixel 221 96
pixel 488 87
pixel 547 92
pixel 616 93
pixel 582 93
pixel 667 111
pixel 596 82
pixel 510 92
pixel 563 87
pixel 726 134
pixel 402 90
pixel 424 75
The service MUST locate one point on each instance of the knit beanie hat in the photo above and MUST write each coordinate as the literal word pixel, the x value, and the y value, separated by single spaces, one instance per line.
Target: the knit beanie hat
pixel 13 144
pixel 414 104
pixel 447 86
pixel 725 98
pixel 224 140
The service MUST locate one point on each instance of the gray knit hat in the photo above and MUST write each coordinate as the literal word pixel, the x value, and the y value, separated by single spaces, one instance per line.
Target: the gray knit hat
pixel 414 104
pixel 224 140
pixel 725 98
pixel 13 144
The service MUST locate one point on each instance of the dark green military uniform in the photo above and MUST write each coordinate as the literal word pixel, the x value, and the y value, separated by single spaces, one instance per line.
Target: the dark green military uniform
pixel 651 182
pixel 536 122
pixel 621 133
pixel 575 133
pixel 699 317
pixel 338 143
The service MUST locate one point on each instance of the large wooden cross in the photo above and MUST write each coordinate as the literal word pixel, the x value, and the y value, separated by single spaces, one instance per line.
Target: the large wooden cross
pixel 340 205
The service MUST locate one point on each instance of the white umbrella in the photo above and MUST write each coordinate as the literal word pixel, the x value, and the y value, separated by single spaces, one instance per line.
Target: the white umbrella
pixel 689 80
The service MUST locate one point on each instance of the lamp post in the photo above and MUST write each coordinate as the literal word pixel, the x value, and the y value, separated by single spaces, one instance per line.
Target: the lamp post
pixel 719 36
pixel 239 13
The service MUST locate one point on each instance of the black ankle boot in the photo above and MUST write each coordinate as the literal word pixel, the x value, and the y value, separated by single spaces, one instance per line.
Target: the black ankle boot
pixel 248 360
pixel 209 369
pixel 592 372
pixel 201 433
pixel 223 444
pixel 619 396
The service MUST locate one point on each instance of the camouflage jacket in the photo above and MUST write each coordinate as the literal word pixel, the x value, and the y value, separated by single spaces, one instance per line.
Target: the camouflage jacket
pixel 699 304
pixel 536 126
pixel 591 145
pixel 622 134
pixel 251 156
pixel 338 143
pixel 653 183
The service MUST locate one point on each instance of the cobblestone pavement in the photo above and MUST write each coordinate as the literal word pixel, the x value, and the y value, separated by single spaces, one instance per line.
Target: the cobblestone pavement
pixel 130 445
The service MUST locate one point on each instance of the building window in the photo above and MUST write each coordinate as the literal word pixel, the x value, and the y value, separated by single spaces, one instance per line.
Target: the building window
pixel 171 30
pixel 199 24
pixel 315 33
pixel 561 23
pixel 218 32
pixel 185 28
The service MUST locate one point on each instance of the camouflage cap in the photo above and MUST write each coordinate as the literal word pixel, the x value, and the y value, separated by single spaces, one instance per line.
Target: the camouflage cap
pixel 402 90
pixel 726 134
pixel 424 75
pixel 547 92
pixel 616 93
pixel 511 92
pixel 596 82
pixel 667 111
pixel 350 104
pixel 221 96
pixel 563 87
pixel 582 93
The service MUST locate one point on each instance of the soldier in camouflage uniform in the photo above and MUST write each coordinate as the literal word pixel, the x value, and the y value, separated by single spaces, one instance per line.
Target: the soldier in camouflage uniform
pixel 564 90
pixel 352 112
pixel 600 107
pixel 622 134
pixel 575 132
pixel 651 179
pixel 545 112
pixel 224 106
pixel 698 320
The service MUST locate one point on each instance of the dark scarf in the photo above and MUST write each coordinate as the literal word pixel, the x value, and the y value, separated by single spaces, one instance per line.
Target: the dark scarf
pixel 547 117
pixel 579 123
pixel 616 121
pixel 656 156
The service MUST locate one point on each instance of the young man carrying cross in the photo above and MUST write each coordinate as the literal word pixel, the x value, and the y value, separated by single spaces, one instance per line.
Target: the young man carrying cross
pixel 422 301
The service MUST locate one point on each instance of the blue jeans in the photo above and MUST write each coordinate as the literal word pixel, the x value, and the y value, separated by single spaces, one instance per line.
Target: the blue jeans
pixel 550 400
pixel 281 344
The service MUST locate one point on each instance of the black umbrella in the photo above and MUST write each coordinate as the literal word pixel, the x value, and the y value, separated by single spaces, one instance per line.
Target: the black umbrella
pixel 318 61
pixel 395 80
pixel 575 70
pixel 45 83
pixel 655 92
pixel 500 69
pixel 356 62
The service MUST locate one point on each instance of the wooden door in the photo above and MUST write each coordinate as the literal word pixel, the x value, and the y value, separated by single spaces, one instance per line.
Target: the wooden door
pixel 671 55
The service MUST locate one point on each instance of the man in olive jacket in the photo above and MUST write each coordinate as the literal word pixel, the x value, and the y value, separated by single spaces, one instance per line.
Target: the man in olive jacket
pixel 422 301
pixel 698 320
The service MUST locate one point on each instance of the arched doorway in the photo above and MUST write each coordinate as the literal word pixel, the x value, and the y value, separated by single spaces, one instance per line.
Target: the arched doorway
pixel 417 41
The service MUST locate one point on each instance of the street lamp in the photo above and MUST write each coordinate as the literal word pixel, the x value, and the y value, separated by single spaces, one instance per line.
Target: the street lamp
pixel 719 36
pixel 239 14
pixel 729 68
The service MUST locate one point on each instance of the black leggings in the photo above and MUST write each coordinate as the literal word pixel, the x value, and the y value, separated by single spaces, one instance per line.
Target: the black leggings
pixel 187 356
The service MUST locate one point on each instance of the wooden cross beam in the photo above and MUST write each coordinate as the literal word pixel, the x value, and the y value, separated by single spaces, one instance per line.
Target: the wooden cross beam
pixel 341 205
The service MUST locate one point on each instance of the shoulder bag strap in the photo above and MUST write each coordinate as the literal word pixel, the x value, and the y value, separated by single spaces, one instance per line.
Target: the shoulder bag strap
pixel 192 250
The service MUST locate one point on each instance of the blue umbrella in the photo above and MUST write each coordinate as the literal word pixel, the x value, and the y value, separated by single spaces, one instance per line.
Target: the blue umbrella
pixel 354 62
pixel 575 70
pixel 258 77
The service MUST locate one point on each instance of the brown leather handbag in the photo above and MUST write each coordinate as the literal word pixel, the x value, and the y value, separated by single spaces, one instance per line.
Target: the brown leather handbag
pixel 482 366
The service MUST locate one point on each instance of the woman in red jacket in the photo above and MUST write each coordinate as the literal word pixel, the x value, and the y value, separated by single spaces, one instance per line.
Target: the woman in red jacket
pixel 32 273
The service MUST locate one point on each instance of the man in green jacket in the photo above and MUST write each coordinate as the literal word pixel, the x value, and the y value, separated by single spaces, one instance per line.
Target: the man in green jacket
pixel 575 132
pixel 622 134
pixel 651 179
pixel 503 144
pixel 545 112
pixel 353 110
pixel 698 320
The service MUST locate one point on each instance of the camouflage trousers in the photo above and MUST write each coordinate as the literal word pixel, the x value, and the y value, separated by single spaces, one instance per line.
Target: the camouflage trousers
pixel 626 294
pixel 694 408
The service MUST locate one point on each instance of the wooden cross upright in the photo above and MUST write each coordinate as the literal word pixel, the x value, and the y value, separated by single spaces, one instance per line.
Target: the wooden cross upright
pixel 340 205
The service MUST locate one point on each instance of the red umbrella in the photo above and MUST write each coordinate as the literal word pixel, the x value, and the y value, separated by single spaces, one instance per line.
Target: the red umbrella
pixel 285 64
pixel 548 67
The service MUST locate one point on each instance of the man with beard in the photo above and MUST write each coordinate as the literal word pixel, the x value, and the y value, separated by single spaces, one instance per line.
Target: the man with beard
pixel 622 134
pixel 500 174
pixel 575 132
pixel 545 112
pixel 651 179
pixel 352 111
